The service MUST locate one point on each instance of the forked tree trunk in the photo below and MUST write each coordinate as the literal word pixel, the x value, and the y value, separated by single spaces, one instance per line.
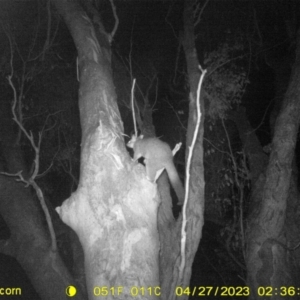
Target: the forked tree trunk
pixel 114 209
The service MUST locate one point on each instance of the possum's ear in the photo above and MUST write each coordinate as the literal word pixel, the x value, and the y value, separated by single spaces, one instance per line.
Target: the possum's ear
pixel 132 141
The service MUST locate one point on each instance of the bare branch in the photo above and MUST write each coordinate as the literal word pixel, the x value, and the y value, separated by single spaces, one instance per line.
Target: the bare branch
pixel 168 22
pixel 132 107
pixel 116 19
pixel 187 182
pixel 35 146
pixel 197 21
pixel 47 42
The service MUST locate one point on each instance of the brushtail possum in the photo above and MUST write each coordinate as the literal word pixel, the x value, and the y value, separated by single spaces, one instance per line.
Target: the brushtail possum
pixel 157 155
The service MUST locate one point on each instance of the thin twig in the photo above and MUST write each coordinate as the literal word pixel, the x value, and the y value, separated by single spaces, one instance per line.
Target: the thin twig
pixel 132 107
pixel 116 19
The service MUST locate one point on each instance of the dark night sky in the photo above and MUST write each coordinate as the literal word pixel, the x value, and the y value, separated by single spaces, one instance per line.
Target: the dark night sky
pixel 149 30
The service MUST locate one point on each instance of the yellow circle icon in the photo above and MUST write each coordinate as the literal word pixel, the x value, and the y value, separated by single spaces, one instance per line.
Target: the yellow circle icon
pixel 71 291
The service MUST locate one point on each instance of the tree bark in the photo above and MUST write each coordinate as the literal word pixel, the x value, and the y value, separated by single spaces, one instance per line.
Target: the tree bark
pixel 29 241
pixel 267 247
pixel 113 211
pixel 195 205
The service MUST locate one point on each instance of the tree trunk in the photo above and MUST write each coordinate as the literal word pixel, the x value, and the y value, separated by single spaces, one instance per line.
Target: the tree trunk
pixel 29 241
pixel 114 210
pixel 267 255
pixel 195 205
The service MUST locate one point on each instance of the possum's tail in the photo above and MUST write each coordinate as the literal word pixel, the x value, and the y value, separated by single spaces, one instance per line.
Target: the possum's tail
pixel 175 181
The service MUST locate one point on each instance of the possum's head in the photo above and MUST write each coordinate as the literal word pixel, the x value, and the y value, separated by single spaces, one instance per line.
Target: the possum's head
pixel 133 140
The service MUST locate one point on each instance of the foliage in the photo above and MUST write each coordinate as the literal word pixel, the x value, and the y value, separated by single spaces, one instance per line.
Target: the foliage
pixel 228 184
pixel 226 80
